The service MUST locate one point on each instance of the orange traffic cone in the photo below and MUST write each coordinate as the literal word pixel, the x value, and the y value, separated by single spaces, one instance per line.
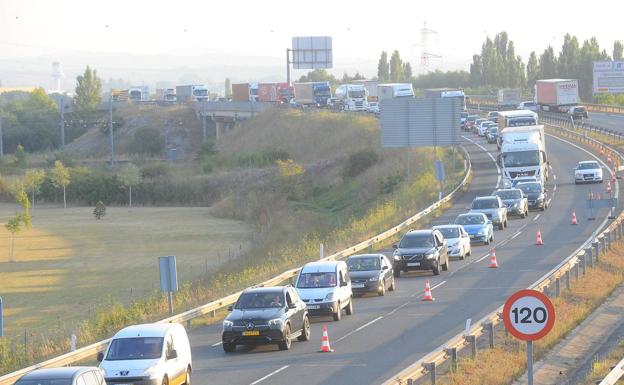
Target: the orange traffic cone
pixel 574 221
pixel 325 348
pixel 539 241
pixel 601 151
pixel 493 261
pixel 608 187
pixel 428 296
pixel 609 159
pixel 613 177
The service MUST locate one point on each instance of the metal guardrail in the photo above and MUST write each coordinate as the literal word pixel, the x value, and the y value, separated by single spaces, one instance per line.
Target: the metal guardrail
pixel 584 255
pixel 486 100
pixel 90 351
pixel 614 375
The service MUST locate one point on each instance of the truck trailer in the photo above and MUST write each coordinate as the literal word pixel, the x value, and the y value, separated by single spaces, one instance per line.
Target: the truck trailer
pixel 508 98
pixel 313 93
pixel 395 90
pixel 275 92
pixel 191 92
pixel 556 95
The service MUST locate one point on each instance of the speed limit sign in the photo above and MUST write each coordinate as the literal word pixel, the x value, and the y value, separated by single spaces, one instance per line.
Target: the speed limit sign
pixel 528 315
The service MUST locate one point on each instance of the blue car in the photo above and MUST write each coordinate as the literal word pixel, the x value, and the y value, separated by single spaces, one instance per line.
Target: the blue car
pixel 477 226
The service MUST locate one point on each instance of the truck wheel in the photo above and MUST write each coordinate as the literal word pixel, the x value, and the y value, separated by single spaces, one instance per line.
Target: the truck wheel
pixel 349 308
pixel 338 314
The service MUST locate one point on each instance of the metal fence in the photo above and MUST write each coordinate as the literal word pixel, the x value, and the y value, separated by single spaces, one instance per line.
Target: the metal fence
pixel 90 351
pixel 614 375
pixel 489 100
pixel 551 283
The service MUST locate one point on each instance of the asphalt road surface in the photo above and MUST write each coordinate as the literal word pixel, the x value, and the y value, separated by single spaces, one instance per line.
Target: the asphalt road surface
pixel 386 334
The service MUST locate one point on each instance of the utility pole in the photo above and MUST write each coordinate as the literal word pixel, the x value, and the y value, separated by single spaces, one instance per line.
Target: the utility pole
pixel 288 66
pixel 1 137
pixel 204 126
pixel 62 105
pixel 110 125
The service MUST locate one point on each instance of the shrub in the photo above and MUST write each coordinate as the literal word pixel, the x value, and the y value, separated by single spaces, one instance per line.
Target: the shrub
pixel 99 211
pixel 360 161
pixel 21 158
pixel 156 170
pixel 147 141
pixel 390 183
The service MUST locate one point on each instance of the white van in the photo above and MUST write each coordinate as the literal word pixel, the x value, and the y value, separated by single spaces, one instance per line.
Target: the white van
pixel 148 354
pixel 325 287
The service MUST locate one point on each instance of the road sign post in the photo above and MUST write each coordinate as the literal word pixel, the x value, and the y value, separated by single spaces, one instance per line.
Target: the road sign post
pixel 529 315
pixel 168 278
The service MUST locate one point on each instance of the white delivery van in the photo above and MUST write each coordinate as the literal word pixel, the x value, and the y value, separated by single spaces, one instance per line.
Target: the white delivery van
pixel 325 287
pixel 148 354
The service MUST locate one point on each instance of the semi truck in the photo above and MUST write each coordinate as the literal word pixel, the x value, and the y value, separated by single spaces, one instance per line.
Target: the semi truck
pixel 372 87
pixel 313 93
pixel 275 92
pixel 556 95
pixel 166 95
pixel 516 118
pixel 191 92
pixel 245 92
pixel 351 97
pixel 523 154
pixel 447 93
pixel 138 93
pixel 395 90
pixel 508 97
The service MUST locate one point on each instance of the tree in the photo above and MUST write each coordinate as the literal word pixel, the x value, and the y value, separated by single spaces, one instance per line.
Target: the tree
pixel 13 226
pixel 99 211
pixel 33 180
pixel 148 141
pixel 569 57
pixel 396 67
pixel 88 90
pixel 618 50
pixel 60 178
pixel 548 64
pixel 383 68
pixel 407 72
pixel 130 175
pixel 21 158
pixel 476 71
pixel 228 88
pixel 532 70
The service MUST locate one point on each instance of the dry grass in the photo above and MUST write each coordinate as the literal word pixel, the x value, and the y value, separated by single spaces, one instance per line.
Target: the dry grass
pixel 69 262
pixel 507 361
pixel 601 367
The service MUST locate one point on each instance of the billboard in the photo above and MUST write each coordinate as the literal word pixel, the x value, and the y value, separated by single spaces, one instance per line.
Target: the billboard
pixel 608 77
pixel 409 122
pixel 312 52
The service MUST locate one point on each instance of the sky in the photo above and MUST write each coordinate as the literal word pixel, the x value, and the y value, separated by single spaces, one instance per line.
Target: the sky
pixel 247 34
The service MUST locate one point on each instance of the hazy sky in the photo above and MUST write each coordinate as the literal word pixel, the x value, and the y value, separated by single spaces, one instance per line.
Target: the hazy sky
pixel 360 29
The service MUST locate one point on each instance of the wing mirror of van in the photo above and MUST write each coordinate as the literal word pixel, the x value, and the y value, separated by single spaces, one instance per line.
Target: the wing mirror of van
pixel 292 305
pixel 395 247
pixel 231 308
pixel 343 283
pixel 385 267
pixel 172 354
pixel 100 356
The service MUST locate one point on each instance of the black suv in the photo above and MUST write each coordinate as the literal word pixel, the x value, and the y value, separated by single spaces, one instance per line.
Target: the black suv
pixel 266 315
pixel 578 112
pixel 421 250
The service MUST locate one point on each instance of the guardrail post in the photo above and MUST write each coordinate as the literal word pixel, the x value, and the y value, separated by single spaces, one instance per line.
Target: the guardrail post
pixel 489 326
pixel 213 313
pixel 432 371
pixel 567 279
pixel 576 269
pixel 557 287
pixel 609 239
pixel 472 340
pixel 188 325
pixel 603 245
pixel 594 254
pixel 584 262
pixel 452 352
pixel 410 381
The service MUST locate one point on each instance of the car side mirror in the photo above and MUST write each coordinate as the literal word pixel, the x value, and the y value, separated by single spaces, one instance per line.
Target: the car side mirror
pixel 385 267
pixel 230 308
pixel 395 247
pixel 489 222
pixel 172 354
pixel 292 305
pixel 100 356
pixel 343 283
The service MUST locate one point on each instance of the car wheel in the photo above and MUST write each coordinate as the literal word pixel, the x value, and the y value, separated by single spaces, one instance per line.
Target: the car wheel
pixel 392 287
pixel 501 226
pixel 187 381
pixel 286 343
pixel 396 273
pixel 228 348
pixel 382 290
pixel 445 266
pixel 436 268
pixel 469 253
pixel 349 308
pixel 305 332
pixel 338 313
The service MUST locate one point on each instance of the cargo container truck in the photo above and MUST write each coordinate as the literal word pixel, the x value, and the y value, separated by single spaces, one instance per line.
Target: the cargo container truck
pixel 523 154
pixel 556 95
pixel 191 92
pixel 508 98
pixel 275 92
pixel 313 93
pixel 395 90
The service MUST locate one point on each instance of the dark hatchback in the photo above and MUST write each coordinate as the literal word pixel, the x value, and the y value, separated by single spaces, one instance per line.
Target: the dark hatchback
pixel 421 250
pixel 266 315
pixel 370 273
pixel 71 375
pixel 536 194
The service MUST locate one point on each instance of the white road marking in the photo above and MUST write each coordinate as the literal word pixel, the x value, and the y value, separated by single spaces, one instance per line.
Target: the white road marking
pixel 397 308
pixel 217 344
pixel 554 177
pixel 482 258
pixel 555 188
pixel 498 170
pixel 269 375
pixel 536 217
pixel 438 285
pixel 357 330
pixel 516 235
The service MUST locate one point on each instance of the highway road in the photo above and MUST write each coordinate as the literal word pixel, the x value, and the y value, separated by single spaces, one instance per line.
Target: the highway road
pixel 607 120
pixel 386 334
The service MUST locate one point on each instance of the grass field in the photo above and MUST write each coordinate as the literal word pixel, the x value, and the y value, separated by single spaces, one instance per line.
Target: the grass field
pixel 68 263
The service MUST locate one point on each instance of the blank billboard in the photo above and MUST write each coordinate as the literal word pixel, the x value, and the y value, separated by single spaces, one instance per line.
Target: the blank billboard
pixel 312 52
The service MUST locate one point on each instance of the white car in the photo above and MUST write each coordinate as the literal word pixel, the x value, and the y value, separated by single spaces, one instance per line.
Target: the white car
pixel 531 106
pixel 373 107
pixel 483 127
pixel 457 240
pixel 325 287
pixel 588 171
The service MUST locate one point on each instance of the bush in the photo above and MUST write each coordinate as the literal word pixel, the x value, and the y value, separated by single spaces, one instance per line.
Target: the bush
pixel 99 211
pixel 262 159
pixel 360 161
pixel 147 141
pixel 390 183
pixel 156 170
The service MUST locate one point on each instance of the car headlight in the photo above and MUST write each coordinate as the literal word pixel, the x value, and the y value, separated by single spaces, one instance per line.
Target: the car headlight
pixel 276 323
pixel 481 232
pixel 227 325
pixel 578 174
pixel 373 279
pixel 397 257
pixel 540 197
pixel 329 296
pixel 430 255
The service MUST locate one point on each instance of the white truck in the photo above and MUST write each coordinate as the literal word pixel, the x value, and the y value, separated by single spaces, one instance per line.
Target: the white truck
pixel 523 154
pixel 351 97
pixel 517 118
pixel 508 97
pixel 556 95
pixel 372 87
pixel 395 90
pixel 192 92
pixel 138 93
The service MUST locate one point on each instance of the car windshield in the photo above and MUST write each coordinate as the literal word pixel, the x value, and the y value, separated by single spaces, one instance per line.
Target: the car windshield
pixel 530 187
pixel 470 220
pixel 485 204
pixel 260 300
pixel 56 381
pixel 472 118
pixel 509 194
pixel 136 348
pixel 316 280
pixel 521 158
pixel 587 166
pixel 363 264
pixel 414 241
pixel 519 122
pixel 357 94
pixel 449 232
pixel 463 115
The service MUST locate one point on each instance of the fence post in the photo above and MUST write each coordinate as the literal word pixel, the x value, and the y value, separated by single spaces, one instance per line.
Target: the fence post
pixel 410 381
pixel 584 264
pixel 603 245
pixel 557 287
pixel 432 372
pixel 489 326
pixel 452 352
pixel 472 340
pixel 188 325
pixel 576 269
pixel 609 239
pixel 567 279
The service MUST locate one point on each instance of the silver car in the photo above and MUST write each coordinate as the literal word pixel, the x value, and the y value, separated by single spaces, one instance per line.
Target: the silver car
pixel 588 171
pixel 515 201
pixel 493 207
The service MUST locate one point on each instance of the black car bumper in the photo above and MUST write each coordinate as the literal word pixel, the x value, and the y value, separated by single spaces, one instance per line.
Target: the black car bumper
pixel 423 264
pixel 264 337
pixel 322 308
pixel 537 204
pixel 365 287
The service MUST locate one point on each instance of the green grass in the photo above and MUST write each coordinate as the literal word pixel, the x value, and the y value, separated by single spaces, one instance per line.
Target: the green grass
pixel 68 262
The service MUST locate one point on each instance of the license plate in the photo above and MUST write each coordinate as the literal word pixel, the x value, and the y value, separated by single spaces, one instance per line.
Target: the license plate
pixel 121 384
pixel 472 236
pixel 357 285
pixel 251 333
pixel 413 264
pixel 314 306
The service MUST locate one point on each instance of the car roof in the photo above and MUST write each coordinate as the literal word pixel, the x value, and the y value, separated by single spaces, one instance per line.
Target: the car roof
pixel 507 189
pixel 320 267
pixel 485 197
pixel 145 330
pixel 270 289
pixel 67 372
pixel 415 232
pixel 531 182
pixel 450 226
pixel 365 256
pixel 468 214
pixel 587 161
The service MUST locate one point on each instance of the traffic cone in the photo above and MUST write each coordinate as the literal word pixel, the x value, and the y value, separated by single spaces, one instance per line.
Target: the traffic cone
pixel 613 177
pixel 325 348
pixel 493 261
pixel 574 221
pixel 428 296
pixel 601 151
pixel 539 241
pixel 609 159
pixel 608 187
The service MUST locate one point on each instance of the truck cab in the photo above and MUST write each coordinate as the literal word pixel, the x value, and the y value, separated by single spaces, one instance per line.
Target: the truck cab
pixel 352 97
pixel 523 154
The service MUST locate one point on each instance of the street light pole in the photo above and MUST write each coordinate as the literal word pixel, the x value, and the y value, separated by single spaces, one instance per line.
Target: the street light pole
pixel 110 125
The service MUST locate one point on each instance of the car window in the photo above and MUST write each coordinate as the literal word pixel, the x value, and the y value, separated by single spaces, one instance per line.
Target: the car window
pixel 294 295
pixel 470 220
pixel 363 264
pixel 450 232
pixel 410 241
pixel 588 166
pixel 316 280
pixel 260 300
pixel 90 378
pixel 136 348
pixel 289 300
pixel 170 345
pixel 485 204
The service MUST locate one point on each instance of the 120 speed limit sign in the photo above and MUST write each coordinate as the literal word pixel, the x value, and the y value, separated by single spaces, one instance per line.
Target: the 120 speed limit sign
pixel 528 315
